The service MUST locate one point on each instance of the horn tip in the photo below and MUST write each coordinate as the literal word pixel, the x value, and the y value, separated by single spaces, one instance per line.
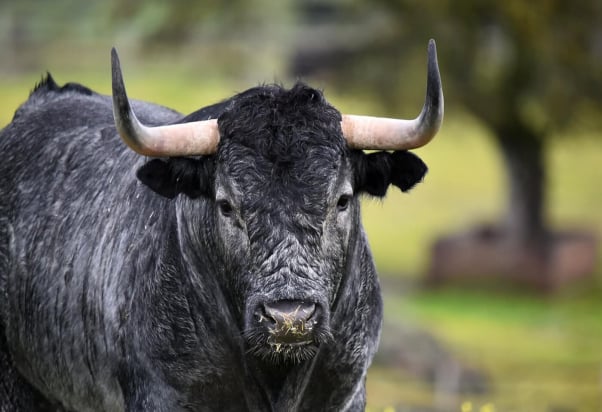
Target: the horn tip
pixel 432 48
pixel 114 57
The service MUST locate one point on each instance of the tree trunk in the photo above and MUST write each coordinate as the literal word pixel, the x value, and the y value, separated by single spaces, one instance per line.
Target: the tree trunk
pixel 523 153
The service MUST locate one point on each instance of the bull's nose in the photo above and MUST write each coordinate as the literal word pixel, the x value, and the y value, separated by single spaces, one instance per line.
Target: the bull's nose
pixel 283 311
pixel 288 321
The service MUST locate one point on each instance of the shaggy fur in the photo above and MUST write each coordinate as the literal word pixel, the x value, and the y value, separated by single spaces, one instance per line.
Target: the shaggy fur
pixel 113 297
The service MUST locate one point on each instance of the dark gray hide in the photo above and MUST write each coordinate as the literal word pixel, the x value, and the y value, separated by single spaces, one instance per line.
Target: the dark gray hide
pixel 150 293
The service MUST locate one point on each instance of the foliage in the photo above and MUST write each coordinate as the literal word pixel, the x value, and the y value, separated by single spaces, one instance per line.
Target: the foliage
pixel 517 60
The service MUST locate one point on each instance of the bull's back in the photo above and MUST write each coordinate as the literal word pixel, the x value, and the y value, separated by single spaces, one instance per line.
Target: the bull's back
pixel 73 224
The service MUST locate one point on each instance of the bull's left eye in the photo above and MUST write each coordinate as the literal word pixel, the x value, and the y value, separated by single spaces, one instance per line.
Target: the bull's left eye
pixel 343 203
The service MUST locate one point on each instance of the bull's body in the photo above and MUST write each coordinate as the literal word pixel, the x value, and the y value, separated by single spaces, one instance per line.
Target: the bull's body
pixel 245 282
pixel 106 304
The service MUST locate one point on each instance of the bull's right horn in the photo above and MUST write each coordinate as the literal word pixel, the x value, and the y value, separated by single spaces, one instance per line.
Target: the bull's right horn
pixel 186 139
pixel 378 133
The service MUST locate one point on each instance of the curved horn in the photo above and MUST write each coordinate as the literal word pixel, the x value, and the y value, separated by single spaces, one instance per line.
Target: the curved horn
pixel 186 139
pixel 378 133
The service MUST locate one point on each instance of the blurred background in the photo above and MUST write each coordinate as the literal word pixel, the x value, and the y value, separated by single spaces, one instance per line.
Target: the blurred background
pixel 491 268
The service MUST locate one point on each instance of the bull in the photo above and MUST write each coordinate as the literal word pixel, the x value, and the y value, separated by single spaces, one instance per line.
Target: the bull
pixel 220 265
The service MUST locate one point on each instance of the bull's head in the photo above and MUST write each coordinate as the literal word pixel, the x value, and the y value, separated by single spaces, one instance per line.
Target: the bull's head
pixel 282 171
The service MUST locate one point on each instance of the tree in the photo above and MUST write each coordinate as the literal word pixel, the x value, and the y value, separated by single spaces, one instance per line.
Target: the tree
pixel 526 69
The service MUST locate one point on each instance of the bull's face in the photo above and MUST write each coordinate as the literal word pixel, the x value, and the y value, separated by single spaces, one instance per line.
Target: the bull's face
pixel 285 214
pixel 283 189
pixel 284 233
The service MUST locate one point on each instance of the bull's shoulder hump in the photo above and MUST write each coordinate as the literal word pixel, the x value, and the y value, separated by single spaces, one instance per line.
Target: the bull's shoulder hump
pixel 47 93
pixel 48 86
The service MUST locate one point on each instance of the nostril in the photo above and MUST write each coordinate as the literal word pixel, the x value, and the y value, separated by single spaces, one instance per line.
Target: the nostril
pixel 289 311
pixel 263 318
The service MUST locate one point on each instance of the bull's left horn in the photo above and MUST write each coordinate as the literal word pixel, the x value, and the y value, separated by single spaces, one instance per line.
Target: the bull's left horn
pixel 378 133
pixel 186 139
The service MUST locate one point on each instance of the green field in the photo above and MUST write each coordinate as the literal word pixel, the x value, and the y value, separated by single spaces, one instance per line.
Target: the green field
pixel 542 353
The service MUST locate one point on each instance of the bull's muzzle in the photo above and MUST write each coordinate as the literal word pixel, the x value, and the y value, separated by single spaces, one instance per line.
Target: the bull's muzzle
pixel 288 322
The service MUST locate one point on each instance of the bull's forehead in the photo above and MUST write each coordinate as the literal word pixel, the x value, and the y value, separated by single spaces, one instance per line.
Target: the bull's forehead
pixel 299 179
pixel 281 127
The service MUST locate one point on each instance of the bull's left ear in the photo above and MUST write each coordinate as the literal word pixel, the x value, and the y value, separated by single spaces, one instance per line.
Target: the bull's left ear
pixel 173 176
pixel 374 172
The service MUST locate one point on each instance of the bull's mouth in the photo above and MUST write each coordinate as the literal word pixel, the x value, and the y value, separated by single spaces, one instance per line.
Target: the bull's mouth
pixel 296 351
pixel 277 352
pixel 279 342
pixel 278 346
pixel 286 331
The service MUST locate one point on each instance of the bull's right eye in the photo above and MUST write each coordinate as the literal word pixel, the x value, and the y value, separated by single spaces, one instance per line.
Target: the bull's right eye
pixel 225 208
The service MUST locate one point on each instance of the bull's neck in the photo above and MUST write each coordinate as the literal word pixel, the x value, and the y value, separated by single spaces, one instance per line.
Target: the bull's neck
pixel 282 385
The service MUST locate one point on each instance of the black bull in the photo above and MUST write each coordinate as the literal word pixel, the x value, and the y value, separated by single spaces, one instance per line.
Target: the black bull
pixel 244 282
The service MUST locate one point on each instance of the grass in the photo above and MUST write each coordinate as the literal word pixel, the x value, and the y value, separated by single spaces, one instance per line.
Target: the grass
pixel 542 353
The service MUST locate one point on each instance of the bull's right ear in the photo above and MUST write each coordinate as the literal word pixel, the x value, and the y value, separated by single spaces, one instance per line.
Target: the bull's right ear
pixel 169 178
